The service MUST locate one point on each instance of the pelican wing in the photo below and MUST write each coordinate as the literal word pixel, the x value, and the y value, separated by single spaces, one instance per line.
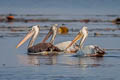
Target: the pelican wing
pixel 63 45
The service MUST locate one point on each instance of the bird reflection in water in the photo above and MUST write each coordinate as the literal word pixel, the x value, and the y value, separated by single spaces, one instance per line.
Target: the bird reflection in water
pixel 86 62
pixel 61 60
pixel 37 59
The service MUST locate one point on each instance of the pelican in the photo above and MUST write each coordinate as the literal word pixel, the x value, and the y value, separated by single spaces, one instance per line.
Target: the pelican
pixel 43 46
pixel 73 47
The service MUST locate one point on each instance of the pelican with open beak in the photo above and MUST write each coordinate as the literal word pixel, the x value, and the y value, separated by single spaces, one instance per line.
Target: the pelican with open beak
pixel 43 46
pixel 73 47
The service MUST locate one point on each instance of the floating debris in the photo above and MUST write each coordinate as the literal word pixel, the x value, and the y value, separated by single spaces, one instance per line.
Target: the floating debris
pixel 63 29
pixel 10 18
pixel 20 28
pixel 30 18
pixel 104 29
pixel 13 19
pixel 112 49
pixel 116 21
pixel 85 20
pixel 97 34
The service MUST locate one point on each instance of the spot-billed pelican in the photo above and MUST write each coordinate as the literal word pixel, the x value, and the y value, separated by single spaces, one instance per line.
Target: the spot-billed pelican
pixel 43 46
pixel 73 47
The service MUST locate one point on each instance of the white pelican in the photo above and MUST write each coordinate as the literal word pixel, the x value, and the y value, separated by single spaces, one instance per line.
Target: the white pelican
pixel 73 47
pixel 40 47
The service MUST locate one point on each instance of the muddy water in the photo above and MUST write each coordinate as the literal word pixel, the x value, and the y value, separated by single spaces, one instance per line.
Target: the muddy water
pixel 15 64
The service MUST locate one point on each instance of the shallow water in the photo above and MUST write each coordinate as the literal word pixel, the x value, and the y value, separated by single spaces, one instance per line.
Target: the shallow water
pixel 15 64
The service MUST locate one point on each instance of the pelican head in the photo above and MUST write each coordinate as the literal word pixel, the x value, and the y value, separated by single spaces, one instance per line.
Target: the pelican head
pixel 82 35
pixel 32 33
pixel 53 32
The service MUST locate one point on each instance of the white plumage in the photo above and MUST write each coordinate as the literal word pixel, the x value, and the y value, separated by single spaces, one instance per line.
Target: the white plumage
pixel 73 47
pixel 63 46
